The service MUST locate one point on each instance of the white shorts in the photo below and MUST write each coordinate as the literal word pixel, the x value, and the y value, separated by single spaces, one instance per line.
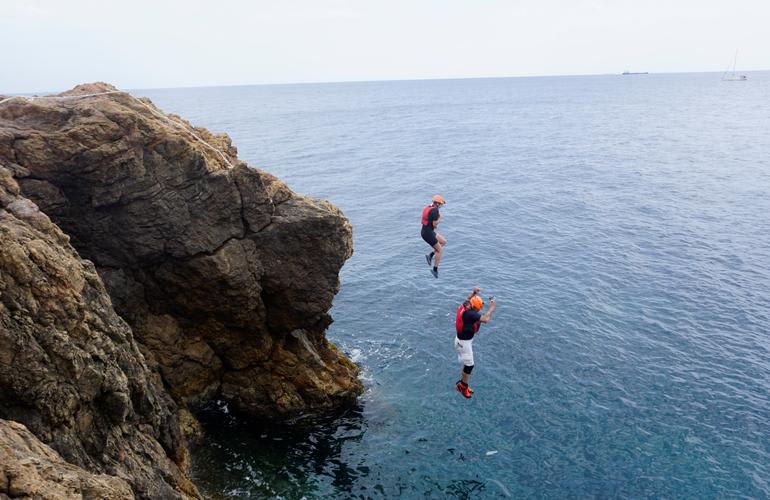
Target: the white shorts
pixel 464 349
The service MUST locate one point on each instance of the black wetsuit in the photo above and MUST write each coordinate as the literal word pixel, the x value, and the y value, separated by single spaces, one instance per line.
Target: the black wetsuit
pixel 428 232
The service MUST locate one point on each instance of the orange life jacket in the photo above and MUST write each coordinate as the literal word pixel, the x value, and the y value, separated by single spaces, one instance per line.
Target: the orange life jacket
pixel 459 319
pixel 425 212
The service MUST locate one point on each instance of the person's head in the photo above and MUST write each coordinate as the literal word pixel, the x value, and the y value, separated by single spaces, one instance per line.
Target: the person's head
pixel 476 303
pixel 438 201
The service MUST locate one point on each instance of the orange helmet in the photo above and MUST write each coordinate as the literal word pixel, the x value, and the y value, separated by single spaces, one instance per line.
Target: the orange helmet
pixel 439 199
pixel 476 302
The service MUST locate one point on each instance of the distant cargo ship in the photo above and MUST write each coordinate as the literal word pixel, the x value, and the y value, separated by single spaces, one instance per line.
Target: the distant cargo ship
pixel 626 72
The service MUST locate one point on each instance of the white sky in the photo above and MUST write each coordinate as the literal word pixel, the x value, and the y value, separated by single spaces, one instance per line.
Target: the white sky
pixel 49 45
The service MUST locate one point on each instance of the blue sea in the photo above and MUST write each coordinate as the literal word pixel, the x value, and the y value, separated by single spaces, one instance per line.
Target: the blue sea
pixel 622 223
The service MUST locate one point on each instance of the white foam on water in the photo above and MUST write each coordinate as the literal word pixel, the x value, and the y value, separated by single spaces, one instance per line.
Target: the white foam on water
pixel 356 355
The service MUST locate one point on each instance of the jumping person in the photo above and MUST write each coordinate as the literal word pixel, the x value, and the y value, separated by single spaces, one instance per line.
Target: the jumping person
pixel 467 323
pixel 430 220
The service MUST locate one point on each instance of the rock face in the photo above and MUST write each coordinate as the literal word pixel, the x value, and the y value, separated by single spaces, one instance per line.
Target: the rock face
pixel 30 469
pixel 69 366
pixel 225 275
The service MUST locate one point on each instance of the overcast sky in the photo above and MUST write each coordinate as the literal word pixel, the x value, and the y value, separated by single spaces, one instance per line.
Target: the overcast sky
pixel 51 45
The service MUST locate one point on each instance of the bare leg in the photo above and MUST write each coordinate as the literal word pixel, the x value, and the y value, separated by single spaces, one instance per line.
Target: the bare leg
pixel 465 377
pixel 438 248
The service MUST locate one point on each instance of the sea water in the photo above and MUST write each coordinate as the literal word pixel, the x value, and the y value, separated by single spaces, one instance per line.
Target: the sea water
pixel 622 222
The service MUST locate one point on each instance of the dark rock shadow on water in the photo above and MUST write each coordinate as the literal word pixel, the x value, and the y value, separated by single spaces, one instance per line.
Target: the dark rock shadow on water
pixel 301 457
pixel 305 457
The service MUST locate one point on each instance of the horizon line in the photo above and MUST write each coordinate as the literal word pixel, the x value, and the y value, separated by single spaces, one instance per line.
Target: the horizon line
pixel 323 82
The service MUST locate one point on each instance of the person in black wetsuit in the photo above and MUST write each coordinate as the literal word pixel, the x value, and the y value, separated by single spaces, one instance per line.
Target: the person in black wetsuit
pixel 430 220
pixel 467 323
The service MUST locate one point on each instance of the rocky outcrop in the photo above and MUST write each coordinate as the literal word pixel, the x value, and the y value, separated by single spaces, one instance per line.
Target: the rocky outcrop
pixel 70 369
pixel 206 279
pixel 29 469
pixel 224 274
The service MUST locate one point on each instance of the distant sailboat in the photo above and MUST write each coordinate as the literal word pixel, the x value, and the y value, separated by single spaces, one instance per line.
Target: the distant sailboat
pixel 730 75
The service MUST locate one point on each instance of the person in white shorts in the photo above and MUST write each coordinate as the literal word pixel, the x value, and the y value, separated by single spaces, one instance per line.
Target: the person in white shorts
pixel 467 323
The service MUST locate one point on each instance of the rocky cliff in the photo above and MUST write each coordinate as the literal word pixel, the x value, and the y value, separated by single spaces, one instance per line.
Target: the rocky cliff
pixel 221 278
pixel 70 369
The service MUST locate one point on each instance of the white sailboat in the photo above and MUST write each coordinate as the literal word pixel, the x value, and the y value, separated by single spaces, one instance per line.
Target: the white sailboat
pixel 730 75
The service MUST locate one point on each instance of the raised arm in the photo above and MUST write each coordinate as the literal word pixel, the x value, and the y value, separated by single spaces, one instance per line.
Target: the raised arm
pixel 488 315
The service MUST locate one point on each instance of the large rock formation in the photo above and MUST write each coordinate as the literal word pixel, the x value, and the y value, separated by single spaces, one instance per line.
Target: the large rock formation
pixel 224 274
pixel 29 469
pixel 69 367
pixel 220 275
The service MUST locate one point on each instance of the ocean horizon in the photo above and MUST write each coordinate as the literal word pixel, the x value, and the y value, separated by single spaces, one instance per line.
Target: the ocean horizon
pixel 138 90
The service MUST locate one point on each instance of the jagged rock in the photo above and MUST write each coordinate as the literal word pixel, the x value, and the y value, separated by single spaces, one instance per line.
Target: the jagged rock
pixel 31 470
pixel 70 369
pixel 224 274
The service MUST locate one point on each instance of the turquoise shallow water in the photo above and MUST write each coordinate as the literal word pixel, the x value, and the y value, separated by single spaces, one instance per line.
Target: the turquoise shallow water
pixel 622 223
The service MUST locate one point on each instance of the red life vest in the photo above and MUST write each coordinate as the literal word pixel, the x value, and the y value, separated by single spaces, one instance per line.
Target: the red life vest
pixel 425 212
pixel 459 319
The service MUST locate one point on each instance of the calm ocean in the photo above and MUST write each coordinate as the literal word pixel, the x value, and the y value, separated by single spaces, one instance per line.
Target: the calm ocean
pixel 623 224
